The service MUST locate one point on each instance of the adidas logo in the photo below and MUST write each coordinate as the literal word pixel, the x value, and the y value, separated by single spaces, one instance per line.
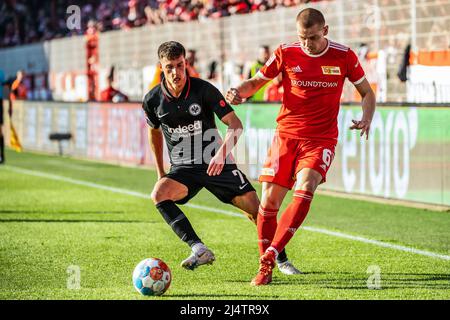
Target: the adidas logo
pixel 292 230
pixel 324 167
pixel 297 69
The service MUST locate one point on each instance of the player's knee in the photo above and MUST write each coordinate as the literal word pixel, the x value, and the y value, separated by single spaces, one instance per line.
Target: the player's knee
pixel 270 204
pixel 159 195
pixel 307 185
pixel 154 196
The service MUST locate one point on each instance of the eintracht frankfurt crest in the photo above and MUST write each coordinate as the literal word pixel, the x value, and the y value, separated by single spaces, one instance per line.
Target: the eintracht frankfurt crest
pixel 195 109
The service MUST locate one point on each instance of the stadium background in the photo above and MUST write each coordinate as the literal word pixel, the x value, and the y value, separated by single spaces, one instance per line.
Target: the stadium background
pixel 408 157
pixel 75 229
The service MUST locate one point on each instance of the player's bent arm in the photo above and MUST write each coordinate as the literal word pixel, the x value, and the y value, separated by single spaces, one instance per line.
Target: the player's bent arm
pixel 246 89
pixel 368 107
pixel 156 140
pixel 249 87
pixel 234 131
pixel 368 100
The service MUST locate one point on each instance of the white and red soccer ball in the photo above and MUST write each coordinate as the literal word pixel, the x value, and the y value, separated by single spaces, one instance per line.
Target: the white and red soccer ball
pixel 152 277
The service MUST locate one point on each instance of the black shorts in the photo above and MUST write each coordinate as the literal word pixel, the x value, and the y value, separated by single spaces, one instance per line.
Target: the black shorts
pixel 230 183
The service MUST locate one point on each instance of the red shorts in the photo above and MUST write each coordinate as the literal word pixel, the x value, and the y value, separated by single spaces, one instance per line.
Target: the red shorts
pixel 287 156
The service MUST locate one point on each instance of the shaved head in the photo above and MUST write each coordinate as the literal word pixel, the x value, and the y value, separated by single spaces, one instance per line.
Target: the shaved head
pixel 310 17
pixel 311 31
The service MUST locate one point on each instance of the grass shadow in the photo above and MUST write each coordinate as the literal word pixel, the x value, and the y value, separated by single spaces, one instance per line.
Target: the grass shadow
pixel 212 295
pixel 74 221
pixel 358 281
pixel 58 212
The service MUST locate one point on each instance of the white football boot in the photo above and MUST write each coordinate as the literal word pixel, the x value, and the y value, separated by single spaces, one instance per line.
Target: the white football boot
pixel 197 259
pixel 288 268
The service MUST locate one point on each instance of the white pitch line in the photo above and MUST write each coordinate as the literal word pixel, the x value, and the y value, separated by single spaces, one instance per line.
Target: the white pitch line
pixel 378 243
pixel 226 212
pixel 113 189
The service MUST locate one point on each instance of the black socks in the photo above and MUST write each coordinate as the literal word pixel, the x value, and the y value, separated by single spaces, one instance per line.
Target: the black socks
pixel 183 228
pixel 178 221
pixel 282 257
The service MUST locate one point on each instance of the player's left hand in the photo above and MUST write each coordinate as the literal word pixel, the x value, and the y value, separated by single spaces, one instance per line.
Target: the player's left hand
pixel 363 125
pixel 216 165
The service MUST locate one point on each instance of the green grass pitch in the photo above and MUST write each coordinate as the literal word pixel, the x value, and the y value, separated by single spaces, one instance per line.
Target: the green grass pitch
pixel 47 225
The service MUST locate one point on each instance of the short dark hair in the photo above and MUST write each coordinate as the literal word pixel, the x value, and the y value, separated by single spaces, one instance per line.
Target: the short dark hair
pixel 265 47
pixel 171 50
pixel 310 17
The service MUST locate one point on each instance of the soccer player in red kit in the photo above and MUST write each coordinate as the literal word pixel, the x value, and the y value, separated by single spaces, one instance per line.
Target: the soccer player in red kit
pixel 314 70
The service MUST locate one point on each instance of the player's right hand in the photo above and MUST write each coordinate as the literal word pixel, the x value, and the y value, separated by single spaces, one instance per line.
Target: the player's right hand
pixel 233 96
pixel 363 125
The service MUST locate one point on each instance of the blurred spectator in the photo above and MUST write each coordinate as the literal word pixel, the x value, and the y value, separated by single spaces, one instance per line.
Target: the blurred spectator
pixel 212 72
pixel 274 90
pixel 156 77
pixel 110 94
pixel 28 21
pixel 190 67
pixel 263 56
pixel 212 75
pixel 17 89
pixel 239 7
pixel 402 73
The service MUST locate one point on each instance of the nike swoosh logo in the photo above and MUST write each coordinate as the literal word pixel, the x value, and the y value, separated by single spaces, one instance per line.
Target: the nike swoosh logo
pixel 163 115
pixel 242 187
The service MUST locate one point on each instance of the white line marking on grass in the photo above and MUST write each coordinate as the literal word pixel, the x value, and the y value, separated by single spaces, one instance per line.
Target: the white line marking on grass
pixel 378 243
pixel 57 163
pixel 112 189
pixel 77 182
pixel 226 212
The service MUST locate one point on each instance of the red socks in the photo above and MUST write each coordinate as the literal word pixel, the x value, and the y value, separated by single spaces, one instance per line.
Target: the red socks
pixel 266 225
pixel 291 219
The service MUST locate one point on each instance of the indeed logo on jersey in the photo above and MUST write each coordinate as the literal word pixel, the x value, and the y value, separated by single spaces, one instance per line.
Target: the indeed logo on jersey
pixel 191 129
pixel 314 84
pixel 330 70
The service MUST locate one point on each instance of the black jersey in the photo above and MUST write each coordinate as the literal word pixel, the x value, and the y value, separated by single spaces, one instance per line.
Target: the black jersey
pixel 187 122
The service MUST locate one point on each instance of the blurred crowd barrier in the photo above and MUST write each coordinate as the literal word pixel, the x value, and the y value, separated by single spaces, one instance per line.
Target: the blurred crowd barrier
pixel 409 38
pixel 407 156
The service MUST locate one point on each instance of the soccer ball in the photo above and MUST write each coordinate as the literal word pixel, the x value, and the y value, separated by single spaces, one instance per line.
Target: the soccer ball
pixel 152 277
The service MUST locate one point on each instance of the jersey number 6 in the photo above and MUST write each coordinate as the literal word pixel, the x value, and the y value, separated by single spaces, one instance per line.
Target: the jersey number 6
pixel 327 157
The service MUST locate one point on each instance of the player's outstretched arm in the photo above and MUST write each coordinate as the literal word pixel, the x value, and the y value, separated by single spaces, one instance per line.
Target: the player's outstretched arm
pixel 156 140
pixel 233 133
pixel 368 107
pixel 246 89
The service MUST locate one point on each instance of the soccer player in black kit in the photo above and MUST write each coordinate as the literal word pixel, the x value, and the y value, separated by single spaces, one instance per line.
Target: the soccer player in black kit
pixel 181 108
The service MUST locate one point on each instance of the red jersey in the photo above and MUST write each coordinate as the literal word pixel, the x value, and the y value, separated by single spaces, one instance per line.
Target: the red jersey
pixel 312 88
